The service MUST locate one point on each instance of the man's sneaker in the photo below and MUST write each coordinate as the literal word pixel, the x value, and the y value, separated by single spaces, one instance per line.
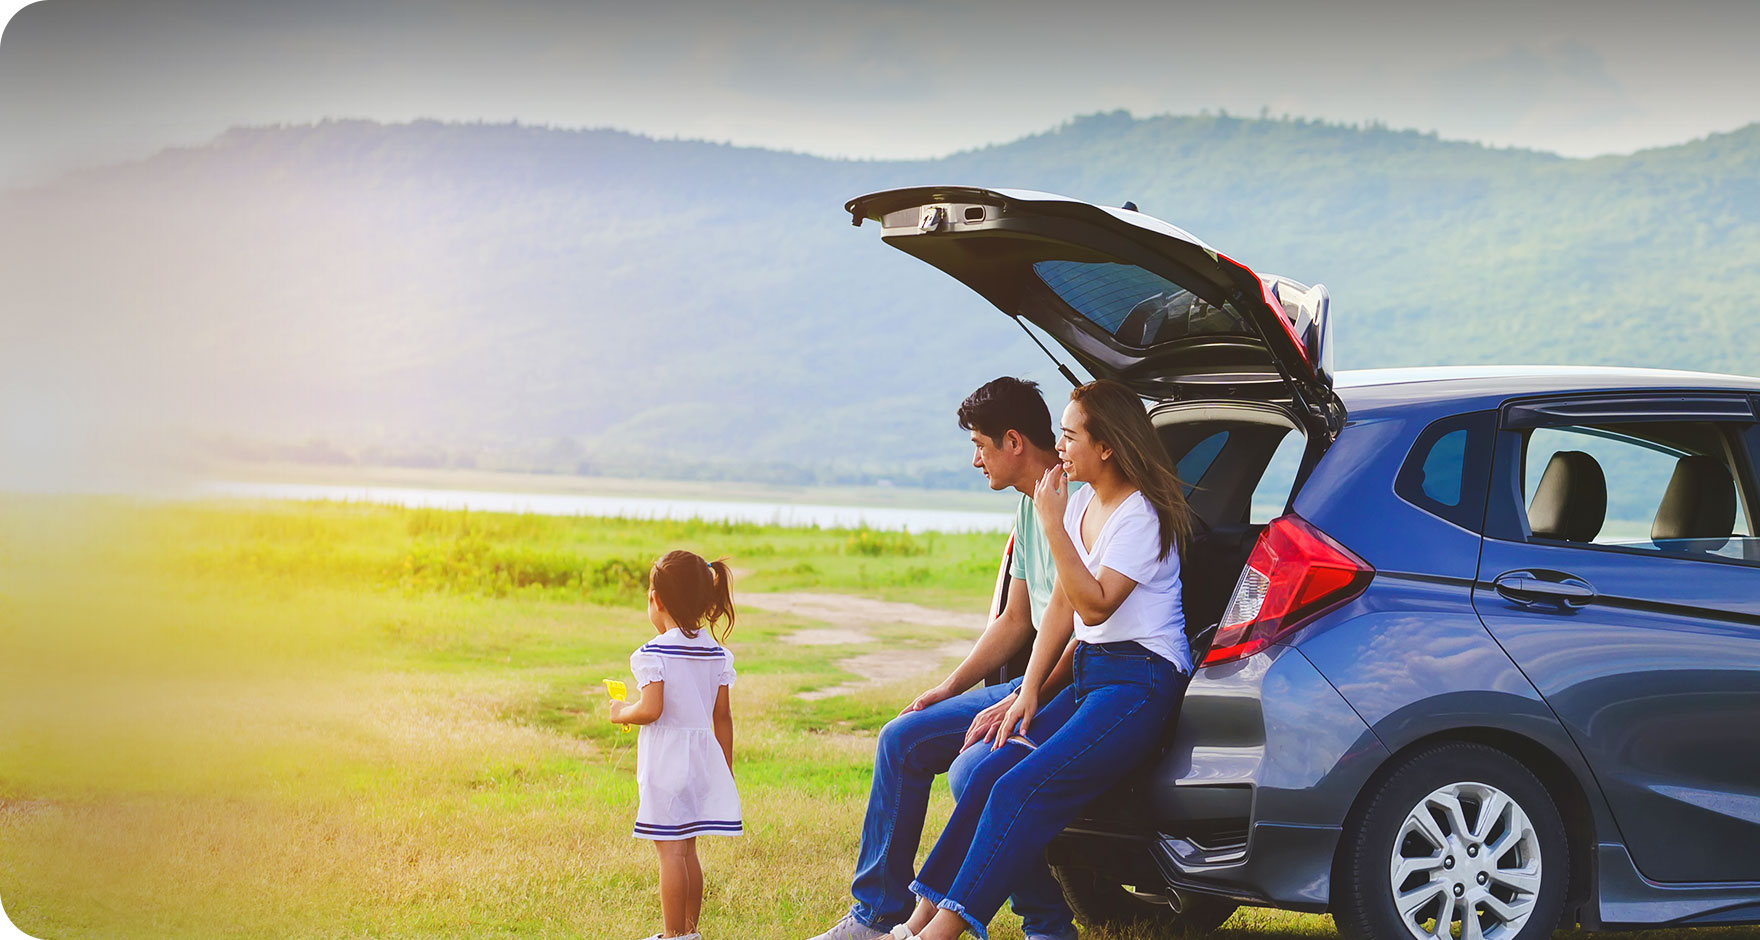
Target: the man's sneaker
pixel 851 929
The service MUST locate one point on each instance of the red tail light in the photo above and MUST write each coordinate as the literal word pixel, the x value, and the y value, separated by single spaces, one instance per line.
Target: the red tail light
pixel 1296 572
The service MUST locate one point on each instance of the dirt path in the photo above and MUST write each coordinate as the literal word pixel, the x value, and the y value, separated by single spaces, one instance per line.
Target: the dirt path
pixel 850 618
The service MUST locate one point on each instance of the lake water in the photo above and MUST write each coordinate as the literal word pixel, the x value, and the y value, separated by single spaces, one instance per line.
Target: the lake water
pixel 630 507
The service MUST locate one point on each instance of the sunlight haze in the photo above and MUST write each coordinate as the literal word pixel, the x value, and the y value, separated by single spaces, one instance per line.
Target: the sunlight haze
pixel 445 235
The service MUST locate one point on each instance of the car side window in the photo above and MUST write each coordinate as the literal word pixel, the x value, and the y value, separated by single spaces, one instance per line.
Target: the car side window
pixel 1674 488
pixel 1445 473
pixel 1442 466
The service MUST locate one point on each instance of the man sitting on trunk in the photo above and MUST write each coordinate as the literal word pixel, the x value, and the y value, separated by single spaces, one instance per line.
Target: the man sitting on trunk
pixel 1013 445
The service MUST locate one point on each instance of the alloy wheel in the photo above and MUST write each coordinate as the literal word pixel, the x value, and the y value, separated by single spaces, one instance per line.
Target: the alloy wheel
pixel 1465 863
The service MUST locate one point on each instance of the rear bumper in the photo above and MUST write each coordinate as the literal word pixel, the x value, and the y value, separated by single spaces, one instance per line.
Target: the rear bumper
pixel 1288 867
pixel 1251 799
pixel 1284 866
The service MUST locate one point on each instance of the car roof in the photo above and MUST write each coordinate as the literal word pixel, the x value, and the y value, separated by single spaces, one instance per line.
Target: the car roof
pixel 1475 387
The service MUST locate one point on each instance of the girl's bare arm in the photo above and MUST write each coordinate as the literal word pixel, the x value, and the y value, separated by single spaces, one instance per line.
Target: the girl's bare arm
pixel 644 710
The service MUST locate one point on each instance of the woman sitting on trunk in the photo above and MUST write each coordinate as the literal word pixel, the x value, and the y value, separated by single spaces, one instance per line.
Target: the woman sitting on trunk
pixel 1116 544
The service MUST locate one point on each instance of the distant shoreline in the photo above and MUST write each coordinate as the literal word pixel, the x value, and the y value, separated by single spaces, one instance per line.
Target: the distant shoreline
pixel 884 497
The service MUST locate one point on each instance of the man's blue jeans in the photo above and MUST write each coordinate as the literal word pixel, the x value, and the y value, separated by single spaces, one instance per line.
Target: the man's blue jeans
pixel 913 748
pixel 1017 798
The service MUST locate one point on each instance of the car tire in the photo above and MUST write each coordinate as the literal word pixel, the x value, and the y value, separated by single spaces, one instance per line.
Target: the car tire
pixel 1101 902
pixel 1472 837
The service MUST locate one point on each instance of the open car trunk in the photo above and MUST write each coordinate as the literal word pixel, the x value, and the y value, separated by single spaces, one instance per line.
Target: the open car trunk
pixel 1138 301
pixel 1130 297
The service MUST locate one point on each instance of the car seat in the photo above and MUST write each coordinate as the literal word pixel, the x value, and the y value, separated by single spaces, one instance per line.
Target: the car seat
pixel 1699 504
pixel 1570 504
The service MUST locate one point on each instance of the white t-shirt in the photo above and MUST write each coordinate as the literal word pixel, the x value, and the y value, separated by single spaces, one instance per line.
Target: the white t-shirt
pixel 1128 544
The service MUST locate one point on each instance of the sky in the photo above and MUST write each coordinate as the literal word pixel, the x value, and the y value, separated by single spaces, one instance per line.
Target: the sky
pixel 89 82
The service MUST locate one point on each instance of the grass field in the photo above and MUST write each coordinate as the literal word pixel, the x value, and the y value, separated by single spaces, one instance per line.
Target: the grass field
pixel 329 720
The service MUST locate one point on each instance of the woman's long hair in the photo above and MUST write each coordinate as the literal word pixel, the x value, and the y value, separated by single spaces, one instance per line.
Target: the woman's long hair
pixel 1116 419
pixel 695 592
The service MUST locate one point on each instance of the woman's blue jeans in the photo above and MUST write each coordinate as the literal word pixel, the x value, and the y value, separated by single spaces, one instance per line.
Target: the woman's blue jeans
pixel 1017 798
pixel 913 748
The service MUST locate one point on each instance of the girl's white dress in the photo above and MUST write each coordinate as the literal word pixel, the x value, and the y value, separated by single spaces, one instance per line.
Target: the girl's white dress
pixel 685 785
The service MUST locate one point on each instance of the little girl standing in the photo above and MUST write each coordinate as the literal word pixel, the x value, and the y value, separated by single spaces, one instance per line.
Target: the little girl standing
pixel 684 755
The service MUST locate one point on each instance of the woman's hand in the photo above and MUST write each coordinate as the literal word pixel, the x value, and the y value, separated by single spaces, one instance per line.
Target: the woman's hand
pixel 1050 496
pixel 984 723
pixel 1020 715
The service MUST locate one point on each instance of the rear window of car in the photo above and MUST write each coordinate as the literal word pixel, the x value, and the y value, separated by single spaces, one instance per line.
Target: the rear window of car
pixel 1442 468
pixel 1135 306
pixel 1448 468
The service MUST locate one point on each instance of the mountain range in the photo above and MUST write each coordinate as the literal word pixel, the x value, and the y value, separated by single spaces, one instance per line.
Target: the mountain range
pixel 594 301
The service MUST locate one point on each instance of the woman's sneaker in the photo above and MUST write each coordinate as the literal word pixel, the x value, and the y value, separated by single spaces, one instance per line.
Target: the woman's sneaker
pixel 901 932
pixel 851 929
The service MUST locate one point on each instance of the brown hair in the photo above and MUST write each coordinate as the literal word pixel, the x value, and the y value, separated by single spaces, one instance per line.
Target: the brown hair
pixel 695 592
pixel 1008 404
pixel 1116 419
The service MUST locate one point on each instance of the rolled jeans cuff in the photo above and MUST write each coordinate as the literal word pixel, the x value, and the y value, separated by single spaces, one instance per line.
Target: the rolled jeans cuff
pixel 947 904
pixel 927 893
pixel 978 930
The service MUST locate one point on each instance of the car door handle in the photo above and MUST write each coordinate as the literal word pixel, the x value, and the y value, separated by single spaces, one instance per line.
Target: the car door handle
pixel 1554 589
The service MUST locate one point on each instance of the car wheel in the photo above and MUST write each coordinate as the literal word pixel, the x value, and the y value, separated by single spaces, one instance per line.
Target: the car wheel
pixel 1101 902
pixel 1460 841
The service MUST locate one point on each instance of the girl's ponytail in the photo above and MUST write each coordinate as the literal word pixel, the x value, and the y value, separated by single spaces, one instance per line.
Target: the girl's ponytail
pixel 720 600
pixel 695 592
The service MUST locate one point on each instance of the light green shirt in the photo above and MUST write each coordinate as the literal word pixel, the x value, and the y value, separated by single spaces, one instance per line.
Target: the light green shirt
pixel 1032 557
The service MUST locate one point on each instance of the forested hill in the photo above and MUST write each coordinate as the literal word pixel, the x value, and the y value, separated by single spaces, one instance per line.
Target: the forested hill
pixel 600 301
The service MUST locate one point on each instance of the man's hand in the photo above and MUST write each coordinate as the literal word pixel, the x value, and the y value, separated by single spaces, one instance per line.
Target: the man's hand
pixel 985 722
pixel 1020 715
pixel 940 693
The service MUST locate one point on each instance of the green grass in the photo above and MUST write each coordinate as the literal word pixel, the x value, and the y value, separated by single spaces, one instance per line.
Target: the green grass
pixel 299 719
pixel 327 720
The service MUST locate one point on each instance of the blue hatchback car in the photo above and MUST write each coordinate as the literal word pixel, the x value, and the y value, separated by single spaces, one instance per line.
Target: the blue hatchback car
pixel 1491 661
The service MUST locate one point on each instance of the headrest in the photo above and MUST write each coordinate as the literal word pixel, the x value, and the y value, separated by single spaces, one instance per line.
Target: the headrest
pixel 1700 502
pixel 1571 501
